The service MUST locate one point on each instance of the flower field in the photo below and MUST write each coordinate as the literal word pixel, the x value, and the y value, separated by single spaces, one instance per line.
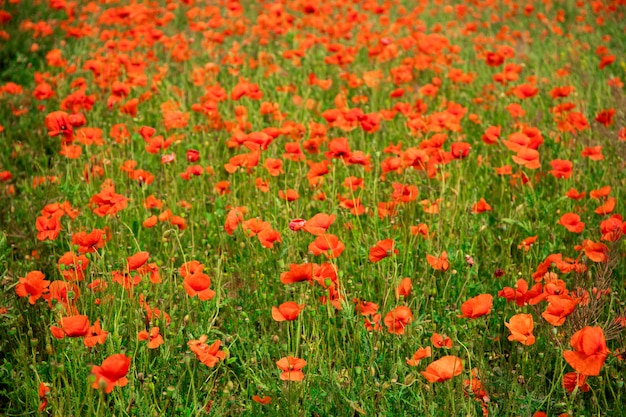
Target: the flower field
pixel 312 208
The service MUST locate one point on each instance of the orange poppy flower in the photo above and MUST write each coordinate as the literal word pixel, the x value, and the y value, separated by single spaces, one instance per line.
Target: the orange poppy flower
pixel 208 355
pixel 274 166
pixel 58 123
pixel 440 341
pixel 420 354
pixel 477 306
pixel 288 195
pixel 589 352
pixel 561 168
pixel 137 260
pixel 397 319
pixel 73 267
pixel 198 284
pixel 439 264
pixel 443 369
pixel 595 251
pixel 233 218
pixel 288 311
pixel 150 222
pixel 291 368
pixel 365 308
pixel 252 227
pixel 404 193
pixel 612 228
pixel 154 338
pixel 528 158
pixel 572 223
pixel 64 293
pixel 491 135
pixel 298 273
pixel 527 243
pixel 559 307
pixel 319 224
pixel 607 207
pixel 600 192
pixel 72 326
pixel 480 207
pixel 90 242
pixel 521 327
pixel 95 335
pixel 43 392
pixel 382 249
pixel 404 288
pixel 420 230
pixel 268 237
pixel 521 294
pixel 328 245
pixel 34 285
pixel 593 152
pixel 48 228
pixel 571 380
pixel 265 400
pixel 374 324
pixel 107 202
pixel 111 373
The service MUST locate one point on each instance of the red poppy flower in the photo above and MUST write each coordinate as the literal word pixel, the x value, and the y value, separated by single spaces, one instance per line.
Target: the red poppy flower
pixel 95 335
pixel 572 223
pixel 47 228
pixel 288 311
pixel 477 306
pixel 382 249
pixel 404 288
pixel 72 326
pixel 34 285
pixel 319 224
pixel 90 242
pixel 559 307
pixel 43 392
pixel 265 400
pixel 154 338
pixel 269 237
pixel 440 341
pixel 528 158
pixel 527 243
pixel 561 168
pixel 58 123
pixel 328 245
pixel 292 368
pixel 198 284
pixel 420 354
pixel 233 218
pixel 208 355
pixel 111 373
pixel 443 369
pixel 521 327
pixel 595 251
pixel 397 319
pixel 590 351
pixel 439 264
pixel 73 267
pixel 571 380
pixel 137 260
pixel 107 202
pixel 480 207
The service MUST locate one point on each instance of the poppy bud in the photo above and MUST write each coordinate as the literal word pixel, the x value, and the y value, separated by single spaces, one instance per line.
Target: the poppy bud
pixel 296 224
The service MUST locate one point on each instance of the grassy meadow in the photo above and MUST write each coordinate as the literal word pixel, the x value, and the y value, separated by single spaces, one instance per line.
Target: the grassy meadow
pixel 312 208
